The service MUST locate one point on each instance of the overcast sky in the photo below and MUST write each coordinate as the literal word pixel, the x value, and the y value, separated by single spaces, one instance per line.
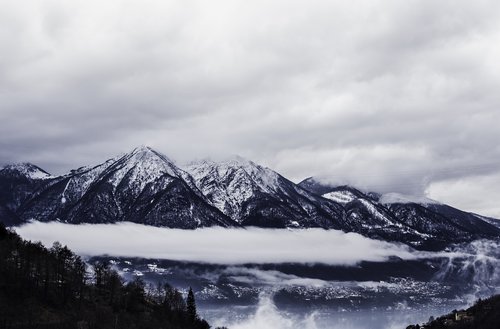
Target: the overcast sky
pixel 385 95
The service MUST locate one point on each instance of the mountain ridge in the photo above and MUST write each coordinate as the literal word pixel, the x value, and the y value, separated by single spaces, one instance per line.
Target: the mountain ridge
pixel 422 214
pixel 247 192
pixel 144 186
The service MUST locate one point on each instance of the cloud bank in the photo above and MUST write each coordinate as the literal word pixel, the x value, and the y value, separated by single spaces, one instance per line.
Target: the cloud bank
pixel 215 245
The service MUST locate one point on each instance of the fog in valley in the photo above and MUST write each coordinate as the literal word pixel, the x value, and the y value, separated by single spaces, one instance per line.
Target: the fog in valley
pixel 283 278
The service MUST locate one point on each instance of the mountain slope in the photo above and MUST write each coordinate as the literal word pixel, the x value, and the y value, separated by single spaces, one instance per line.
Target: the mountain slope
pixel 7 216
pixel 142 186
pixel 493 221
pixel 256 196
pixel 422 216
pixel 18 182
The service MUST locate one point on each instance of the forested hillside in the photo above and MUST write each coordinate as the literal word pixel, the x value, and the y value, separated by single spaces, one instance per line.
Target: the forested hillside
pixel 51 288
pixel 484 314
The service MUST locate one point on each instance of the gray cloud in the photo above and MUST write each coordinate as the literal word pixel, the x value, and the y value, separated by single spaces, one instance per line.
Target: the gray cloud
pixel 385 95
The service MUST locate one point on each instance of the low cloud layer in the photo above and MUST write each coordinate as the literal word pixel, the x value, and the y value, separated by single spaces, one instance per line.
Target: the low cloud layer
pixel 269 277
pixel 477 262
pixel 215 245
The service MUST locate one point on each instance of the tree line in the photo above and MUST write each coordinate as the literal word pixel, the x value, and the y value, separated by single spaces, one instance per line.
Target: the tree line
pixel 43 288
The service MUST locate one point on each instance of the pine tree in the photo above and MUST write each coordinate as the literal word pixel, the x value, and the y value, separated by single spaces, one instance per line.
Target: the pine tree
pixel 36 281
pixel 191 306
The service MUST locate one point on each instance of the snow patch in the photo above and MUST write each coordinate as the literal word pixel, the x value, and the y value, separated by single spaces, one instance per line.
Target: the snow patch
pixel 342 197
pixel 28 170
pixel 228 184
pixel 375 212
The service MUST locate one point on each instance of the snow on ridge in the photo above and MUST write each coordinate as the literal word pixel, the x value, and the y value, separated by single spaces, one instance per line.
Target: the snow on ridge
pixel 159 163
pixel 375 212
pixel 265 178
pixel 39 175
pixel 390 198
pixel 144 165
pixel 81 179
pixel 229 183
pixel 29 170
pixel 342 197
pixel 227 191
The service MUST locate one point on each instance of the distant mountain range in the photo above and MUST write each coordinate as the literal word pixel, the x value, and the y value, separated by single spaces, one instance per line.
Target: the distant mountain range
pixel 144 186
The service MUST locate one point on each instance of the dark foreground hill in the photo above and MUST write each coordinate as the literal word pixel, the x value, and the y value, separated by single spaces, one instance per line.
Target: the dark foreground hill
pixel 50 288
pixel 485 314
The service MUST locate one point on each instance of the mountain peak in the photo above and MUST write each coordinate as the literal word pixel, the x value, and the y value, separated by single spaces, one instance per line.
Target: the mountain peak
pixel 234 164
pixel 145 164
pixel 145 186
pixel 237 161
pixel 142 149
pixel 145 153
pixel 314 185
pixel 255 195
pixel 145 150
pixel 27 169
pixel 231 161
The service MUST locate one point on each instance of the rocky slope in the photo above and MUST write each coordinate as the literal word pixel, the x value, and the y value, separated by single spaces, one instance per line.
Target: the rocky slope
pixel 429 218
pixel 144 186
pixel 253 195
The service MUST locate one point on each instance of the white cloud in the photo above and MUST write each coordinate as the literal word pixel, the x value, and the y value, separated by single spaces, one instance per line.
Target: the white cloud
pixel 269 277
pixel 216 245
pixel 479 194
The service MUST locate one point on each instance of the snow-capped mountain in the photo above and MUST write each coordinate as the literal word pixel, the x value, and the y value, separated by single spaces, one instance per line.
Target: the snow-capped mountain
pixel 17 182
pixel 254 195
pixel 144 186
pixel 420 216
pixel 363 214
pixel 25 170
